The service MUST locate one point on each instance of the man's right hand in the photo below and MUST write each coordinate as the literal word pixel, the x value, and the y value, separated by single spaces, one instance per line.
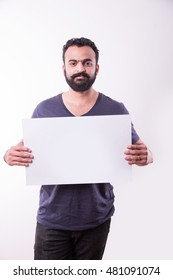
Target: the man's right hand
pixel 18 155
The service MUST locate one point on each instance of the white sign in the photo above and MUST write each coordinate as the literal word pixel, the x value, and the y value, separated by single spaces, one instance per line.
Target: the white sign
pixel 73 150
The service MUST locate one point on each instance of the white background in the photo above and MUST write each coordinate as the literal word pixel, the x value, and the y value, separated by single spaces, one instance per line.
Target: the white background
pixel 135 40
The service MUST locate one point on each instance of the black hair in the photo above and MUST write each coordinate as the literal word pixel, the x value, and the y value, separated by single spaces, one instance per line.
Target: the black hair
pixel 80 42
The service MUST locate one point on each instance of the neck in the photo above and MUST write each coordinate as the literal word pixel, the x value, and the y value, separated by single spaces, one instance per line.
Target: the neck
pixel 79 103
pixel 79 98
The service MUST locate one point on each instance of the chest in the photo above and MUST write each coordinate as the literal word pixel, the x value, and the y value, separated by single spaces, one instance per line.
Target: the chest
pixel 79 109
pixel 79 106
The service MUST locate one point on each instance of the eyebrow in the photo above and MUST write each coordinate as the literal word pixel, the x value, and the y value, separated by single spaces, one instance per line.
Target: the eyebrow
pixel 83 60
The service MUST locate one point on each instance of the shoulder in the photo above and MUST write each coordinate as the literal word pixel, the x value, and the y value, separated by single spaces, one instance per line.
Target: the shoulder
pixel 48 101
pixel 46 107
pixel 108 99
pixel 113 106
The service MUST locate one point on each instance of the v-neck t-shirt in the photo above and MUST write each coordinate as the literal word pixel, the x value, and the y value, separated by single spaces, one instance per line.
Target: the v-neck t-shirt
pixel 77 206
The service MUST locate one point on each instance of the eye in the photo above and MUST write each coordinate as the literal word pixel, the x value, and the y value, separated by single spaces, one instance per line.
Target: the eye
pixel 88 63
pixel 72 63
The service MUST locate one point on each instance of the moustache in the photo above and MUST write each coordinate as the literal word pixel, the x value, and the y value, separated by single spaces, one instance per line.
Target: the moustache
pixel 80 74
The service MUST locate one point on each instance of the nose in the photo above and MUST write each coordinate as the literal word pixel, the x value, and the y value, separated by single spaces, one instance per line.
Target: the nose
pixel 80 67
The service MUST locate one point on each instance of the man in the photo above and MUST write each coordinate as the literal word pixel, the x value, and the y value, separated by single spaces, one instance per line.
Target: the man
pixel 73 221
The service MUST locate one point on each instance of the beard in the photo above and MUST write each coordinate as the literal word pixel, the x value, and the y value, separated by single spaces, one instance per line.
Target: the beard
pixel 80 85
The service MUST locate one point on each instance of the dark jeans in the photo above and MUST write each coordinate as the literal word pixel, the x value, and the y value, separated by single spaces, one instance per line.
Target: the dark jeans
pixel 54 244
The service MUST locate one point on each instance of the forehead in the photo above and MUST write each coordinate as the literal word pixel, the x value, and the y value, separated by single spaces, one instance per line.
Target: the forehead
pixel 79 53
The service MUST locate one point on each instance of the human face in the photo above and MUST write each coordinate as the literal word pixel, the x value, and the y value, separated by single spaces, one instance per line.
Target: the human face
pixel 80 68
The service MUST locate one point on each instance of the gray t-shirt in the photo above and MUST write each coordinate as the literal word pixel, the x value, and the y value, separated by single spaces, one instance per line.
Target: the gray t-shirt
pixel 80 206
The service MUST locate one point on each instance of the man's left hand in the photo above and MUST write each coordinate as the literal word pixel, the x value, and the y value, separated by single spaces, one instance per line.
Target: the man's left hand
pixel 138 154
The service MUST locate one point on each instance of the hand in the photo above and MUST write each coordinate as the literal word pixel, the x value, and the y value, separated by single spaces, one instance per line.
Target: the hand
pixel 18 155
pixel 138 154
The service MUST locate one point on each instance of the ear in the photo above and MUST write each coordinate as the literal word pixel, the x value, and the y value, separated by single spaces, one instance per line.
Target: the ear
pixel 97 69
pixel 63 68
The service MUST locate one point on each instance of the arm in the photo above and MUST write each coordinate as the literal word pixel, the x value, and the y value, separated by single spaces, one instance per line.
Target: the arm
pixel 138 154
pixel 18 155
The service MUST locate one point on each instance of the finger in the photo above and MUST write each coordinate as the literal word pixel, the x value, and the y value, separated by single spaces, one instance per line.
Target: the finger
pixel 136 157
pixel 139 160
pixel 20 162
pixel 22 158
pixel 137 146
pixel 136 152
pixel 21 142
pixel 15 160
pixel 24 154
pixel 18 158
pixel 17 163
pixel 20 154
pixel 20 147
